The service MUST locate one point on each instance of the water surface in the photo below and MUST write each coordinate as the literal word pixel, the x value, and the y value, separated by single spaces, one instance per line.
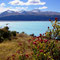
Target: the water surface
pixel 29 27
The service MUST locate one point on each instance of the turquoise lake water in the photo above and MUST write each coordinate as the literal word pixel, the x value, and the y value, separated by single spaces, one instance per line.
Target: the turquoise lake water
pixel 29 27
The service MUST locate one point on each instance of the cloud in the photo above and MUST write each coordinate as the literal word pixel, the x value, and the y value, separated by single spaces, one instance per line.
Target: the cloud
pixel 44 7
pixel 2 4
pixel 29 2
pixel 2 9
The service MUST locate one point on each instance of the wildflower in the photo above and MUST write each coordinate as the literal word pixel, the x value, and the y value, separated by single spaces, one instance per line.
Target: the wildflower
pixel 20 44
pixel 27 55
pixel 40 35
pixel 13 55
pixel 41 40
pixel 38 55
pixel 48 27
pixel 56 18
pixel 56 41
pixel 28 46
pixel 29 40
pixel 49 19
pixel 8 58
pixel 59 47
pixel 18 52
pixel 37 37
pixel 45 40
pixel 13 58
pixel 31 53
pixel 34 38
pixel 41 51
pixel 34 43
pixel 38 47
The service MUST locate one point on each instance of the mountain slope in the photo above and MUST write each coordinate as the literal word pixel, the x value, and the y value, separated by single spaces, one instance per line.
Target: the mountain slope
pixel 34 15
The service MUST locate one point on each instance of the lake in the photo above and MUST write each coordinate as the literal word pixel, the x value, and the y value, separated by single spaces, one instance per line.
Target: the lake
pixel 29 27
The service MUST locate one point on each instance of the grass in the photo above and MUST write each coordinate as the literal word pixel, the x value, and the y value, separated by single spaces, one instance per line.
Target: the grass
pixel 8 48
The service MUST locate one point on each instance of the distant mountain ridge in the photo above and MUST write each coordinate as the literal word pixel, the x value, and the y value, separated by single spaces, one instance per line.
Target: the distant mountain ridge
pixel 34 15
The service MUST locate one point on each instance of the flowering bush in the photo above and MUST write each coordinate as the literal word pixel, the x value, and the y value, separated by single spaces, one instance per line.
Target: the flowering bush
pixel 55 32
pixel 41 49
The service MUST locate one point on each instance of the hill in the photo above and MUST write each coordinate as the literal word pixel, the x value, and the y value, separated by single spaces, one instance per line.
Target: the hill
pixel 34 15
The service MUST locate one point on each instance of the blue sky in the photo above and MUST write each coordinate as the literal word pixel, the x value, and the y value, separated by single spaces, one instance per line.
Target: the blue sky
pixel 18 5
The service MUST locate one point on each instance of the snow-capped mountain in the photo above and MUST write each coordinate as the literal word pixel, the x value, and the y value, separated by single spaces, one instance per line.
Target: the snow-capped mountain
pixel 35 14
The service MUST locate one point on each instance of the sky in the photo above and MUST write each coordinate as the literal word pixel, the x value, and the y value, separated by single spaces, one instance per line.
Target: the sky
pixel 18 5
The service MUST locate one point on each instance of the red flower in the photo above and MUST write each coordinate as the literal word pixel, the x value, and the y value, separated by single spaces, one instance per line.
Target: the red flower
pixel 38 55
pixel 59 47
pixel 27 55
pixel 8 58
pixel 45 40
pixel 49 19
pixel 29 41
pixel 41 51
pixel 48 27
pixel 38 47
pixel 18 52
pixel 34 38
pixel 13 55
pixel 37 37
pixel 28 46
pixel 31 53
pixel 34 43
pixel 41 40
pixel 56 18
pixel 20 44
pixel 40 35
pixel 56 41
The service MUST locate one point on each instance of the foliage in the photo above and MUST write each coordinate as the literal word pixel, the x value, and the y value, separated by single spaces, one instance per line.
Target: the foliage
pixel 13 33
pixel 41 49
pixel 55 31
pixel 5 33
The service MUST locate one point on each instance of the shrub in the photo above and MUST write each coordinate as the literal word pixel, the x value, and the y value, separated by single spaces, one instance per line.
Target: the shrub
pixel 13 33
pixel 55 32
pixel 5 33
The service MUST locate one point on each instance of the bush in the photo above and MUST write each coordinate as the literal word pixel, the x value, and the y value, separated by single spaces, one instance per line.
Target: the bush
pixel 1 39
pixel 6 34
pixel 13 33
pixel 55 32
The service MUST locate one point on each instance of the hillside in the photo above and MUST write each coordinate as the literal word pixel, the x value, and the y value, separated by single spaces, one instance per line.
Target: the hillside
pixel 9 49
pixel 34 15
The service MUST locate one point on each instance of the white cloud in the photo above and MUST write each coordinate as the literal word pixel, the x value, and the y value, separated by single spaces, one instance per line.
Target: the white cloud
pixel 44 7
pixel 2 4
pixel 29 2
pixel 2 9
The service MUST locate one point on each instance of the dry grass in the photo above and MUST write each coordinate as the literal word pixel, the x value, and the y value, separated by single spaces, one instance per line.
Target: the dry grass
pixel 8 48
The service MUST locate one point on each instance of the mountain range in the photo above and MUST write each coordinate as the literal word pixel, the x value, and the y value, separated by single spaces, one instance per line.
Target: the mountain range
pixel 33 15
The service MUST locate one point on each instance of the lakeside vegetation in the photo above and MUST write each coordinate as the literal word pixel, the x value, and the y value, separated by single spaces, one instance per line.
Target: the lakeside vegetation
pixel 20 46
